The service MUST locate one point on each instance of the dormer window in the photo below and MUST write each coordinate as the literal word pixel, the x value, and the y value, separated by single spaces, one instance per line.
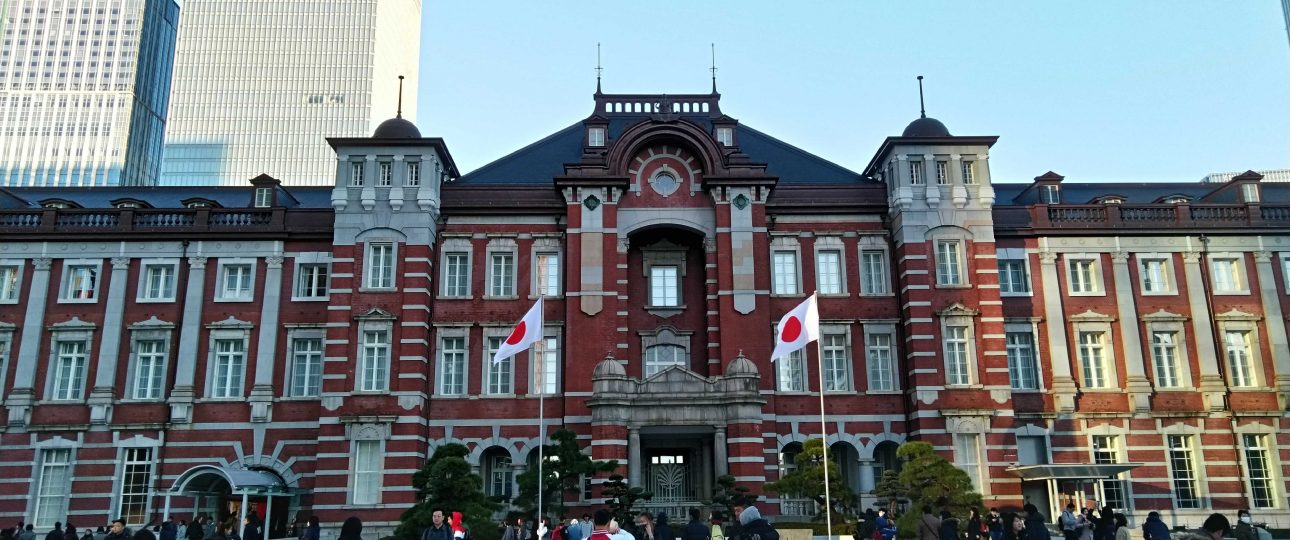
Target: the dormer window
pixel 726 136
pixel 596 136
pixel 916 173
pixel 1176 199
pixel 57 203
pixel 1250 193
pixel 263 197
pixel 199 203
pixel 129 203
pixel 1050 194
pixel 356 174
pixel 1112 199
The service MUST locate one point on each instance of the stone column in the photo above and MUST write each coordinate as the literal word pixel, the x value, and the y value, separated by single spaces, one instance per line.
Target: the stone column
pixel 1135 372
pixel 1055 324
pixel 867 481
pixel 1276 324
pixel 262 389
pixel 719 452
pixel 190 333
pixel 1211 380
pixel 634 456
pixel 104 389
pixel 24 393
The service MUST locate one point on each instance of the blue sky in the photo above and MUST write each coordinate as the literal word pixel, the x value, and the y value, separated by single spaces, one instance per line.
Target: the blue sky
pixel 1094 90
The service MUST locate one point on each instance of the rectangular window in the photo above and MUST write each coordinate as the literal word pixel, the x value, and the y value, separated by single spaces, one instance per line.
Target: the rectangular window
pixel 726 136
pixel 1258 468
pixel 306 367
pixel 229 368
pixel 500 476
pixel 136 483
pixel 967 456
pixel 1182 469
pixel 916 173
pixel 1084 276
pixel 1250 193
pixel 384 174
pixel 149 369
pixel 1012 277
pixel 546 374
pixel 957 365
pixel 159 282
pixel 663 289
pixel 501 277
pixel 235 283
pixel 1023 371
pixel 837 363
pixel 791 372
pixel 374 370
pixel 55 486
pixel 828 271
pixel 1155 276
pixel 596 136
pixel 968 168
pixel 1240 364
pixel 1050 194
pixel 367 472
pixel 263 197
pixel 69 370
pixel 949 263
pixel 1092 354
pixel 942 173
pixel 1164 355
pixel 414 174
pixel 497 375
pixel 662 356
pixel 548 274
pixel 1227 276
pixel 873 272
pixel 456 274
pixel 452 366
pixel 1106 451
pixel 81 282
pixel 785 272
pixel 356 174
pixel 312 281
pixel 380 265
pixel 882 370
pixel 9 283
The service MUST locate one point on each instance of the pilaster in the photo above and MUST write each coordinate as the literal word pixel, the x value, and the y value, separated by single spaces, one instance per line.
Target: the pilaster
pixel 102 394
pixel 183 394
pixel 262 389
pixel 1211 379
pixel 1055 324
pixel 1276 326
pixel 1135 372
pixel 23 394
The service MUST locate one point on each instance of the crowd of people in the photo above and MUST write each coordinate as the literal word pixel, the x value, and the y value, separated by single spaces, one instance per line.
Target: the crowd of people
pixel 748 525
pixel 203 527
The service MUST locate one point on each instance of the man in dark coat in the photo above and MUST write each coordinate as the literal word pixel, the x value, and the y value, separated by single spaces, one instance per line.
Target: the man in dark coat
pixel 439 528
pixel 57 533
pixel 1155 528
pixel 696 529
pixel 1036 525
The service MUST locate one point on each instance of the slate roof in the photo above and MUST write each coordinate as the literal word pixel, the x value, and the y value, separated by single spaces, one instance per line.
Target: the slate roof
pixel 1136 192
pixel 162 196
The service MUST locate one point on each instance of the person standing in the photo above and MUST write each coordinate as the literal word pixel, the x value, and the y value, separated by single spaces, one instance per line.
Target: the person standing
pixel 949 529
pixel 995 524
pixel 438 529
pixel 1155 528
pixel 573 530
pixel 169 531
pixel 312 530
pixel 57 533
pixel 715 523
pixel 1036 525
pixel 929 527
pixel 695 529
pixel 886 525
pixel 662 530
pixel 1069 523
pixel 600 527
pixel 27 533
pixel 754 527
pixel 645 526
pixel 976 527
pixel 1245 526
pixel 118 530
pixel 352 529
pixel 1121 527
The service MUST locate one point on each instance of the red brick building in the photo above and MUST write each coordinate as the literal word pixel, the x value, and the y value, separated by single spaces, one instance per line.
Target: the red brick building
pixel 194 348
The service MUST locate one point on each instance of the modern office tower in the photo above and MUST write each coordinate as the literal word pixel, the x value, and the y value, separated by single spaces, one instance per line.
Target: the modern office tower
pixel 1272 175
pixel 260 84
pixel 84 86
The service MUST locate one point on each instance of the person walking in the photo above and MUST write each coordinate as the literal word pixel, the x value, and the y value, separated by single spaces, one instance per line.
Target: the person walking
pixel 169 531
pixel 1155 528
pixel 352 529
pixel 995 523
pixel 696 529
pixel 929 527
pixel 754 527
pixel 600 527
pixel 949 529
pixel 976 527
pixel 662 530
pixel 1036 525
pixel 886 525
pixel 715 524
pixel 1105 524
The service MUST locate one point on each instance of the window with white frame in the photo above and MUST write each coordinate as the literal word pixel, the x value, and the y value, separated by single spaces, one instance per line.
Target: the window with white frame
pixel 916 172
pixel 367 472
pixel 1182 470
pixel 545 374
pixel 665 355
pixel 312 281
pixel 1250 193
pixel 949 263
pixel 968 168
pixel 452 365
pixel 1092 355
pixel 54 486
pixel 1106 451
pixel 1285 270
pixel 501 476
pixel 263 197
pixel 873 271
pixel 135 485
pixel 726 136
pixel 1050 194
pixel 414 174
pixel 306 365
pixel 942 173
pixel 664 285
pixel 1084 275
pixel 501 273
pixel 356 174
pixel 967 457
pixel 10 281
pixel 1012 277
pixel 379 267
pixel 149 369
pixel 1155 275
pixel 1165 359
pixel 1259 470
pixel 790 372
pixel 881 361
pixel 229 369
pixel 1240 361
pixel 374 366
pixel 80 281
pixel 958 367
pixel 596 136
pixel 828 271
pixel 836 360
pixel 546 268
pixel 499 376
pixel 235 280
pixel 784 272
pixel 384 174
pixel 456 274
pixel 1228 274
pixel 70 360
pixel 1023 369
pixel 157 282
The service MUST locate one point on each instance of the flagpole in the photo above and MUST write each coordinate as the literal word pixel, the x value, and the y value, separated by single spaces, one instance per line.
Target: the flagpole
pixel 536 353
pixel 824 440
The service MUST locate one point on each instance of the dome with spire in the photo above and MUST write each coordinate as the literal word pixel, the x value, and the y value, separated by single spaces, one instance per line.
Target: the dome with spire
pixel 396 128
pixel 926 127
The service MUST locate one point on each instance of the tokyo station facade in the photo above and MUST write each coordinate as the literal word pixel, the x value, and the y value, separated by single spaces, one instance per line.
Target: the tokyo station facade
pixel 304 350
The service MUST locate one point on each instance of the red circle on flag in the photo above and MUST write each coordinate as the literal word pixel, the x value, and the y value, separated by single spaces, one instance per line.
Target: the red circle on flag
pixel 517 335
pixel 792 330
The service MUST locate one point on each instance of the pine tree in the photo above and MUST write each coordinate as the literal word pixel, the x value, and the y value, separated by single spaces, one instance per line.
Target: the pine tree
pixel 932 481
pixel 807 480
pixel 889 490
pixel 622 498
pixel 447 483
pixel 563 468
pixel 727 494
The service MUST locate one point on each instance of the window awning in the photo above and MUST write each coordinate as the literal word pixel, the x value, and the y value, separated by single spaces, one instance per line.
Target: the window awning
pixel 1071 471
pixel 212 479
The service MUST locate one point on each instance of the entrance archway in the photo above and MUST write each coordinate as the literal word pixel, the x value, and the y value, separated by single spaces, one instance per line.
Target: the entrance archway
pixel 237 492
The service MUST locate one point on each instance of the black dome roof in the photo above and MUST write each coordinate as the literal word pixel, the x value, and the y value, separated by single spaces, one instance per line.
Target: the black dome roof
pixel 396 128
pixel 926 127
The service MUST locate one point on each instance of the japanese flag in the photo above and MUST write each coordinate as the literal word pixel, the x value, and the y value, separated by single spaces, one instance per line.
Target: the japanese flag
pixel 526 333
pixel 798 328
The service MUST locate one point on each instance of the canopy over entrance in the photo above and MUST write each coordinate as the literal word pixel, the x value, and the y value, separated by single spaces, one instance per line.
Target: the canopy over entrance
pixel 214 479
pixel 1071 471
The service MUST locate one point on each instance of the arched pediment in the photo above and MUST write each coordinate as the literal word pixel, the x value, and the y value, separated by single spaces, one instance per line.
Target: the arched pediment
pixel 682 133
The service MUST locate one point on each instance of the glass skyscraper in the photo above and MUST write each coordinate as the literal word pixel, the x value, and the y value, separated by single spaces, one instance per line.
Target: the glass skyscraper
pixel 260 84
pixel 84 86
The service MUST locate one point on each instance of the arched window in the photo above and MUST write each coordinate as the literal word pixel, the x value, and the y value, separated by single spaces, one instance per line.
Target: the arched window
pixel 660 357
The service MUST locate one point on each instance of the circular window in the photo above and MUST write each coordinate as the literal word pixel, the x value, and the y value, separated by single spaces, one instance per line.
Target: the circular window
pixel 664 182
